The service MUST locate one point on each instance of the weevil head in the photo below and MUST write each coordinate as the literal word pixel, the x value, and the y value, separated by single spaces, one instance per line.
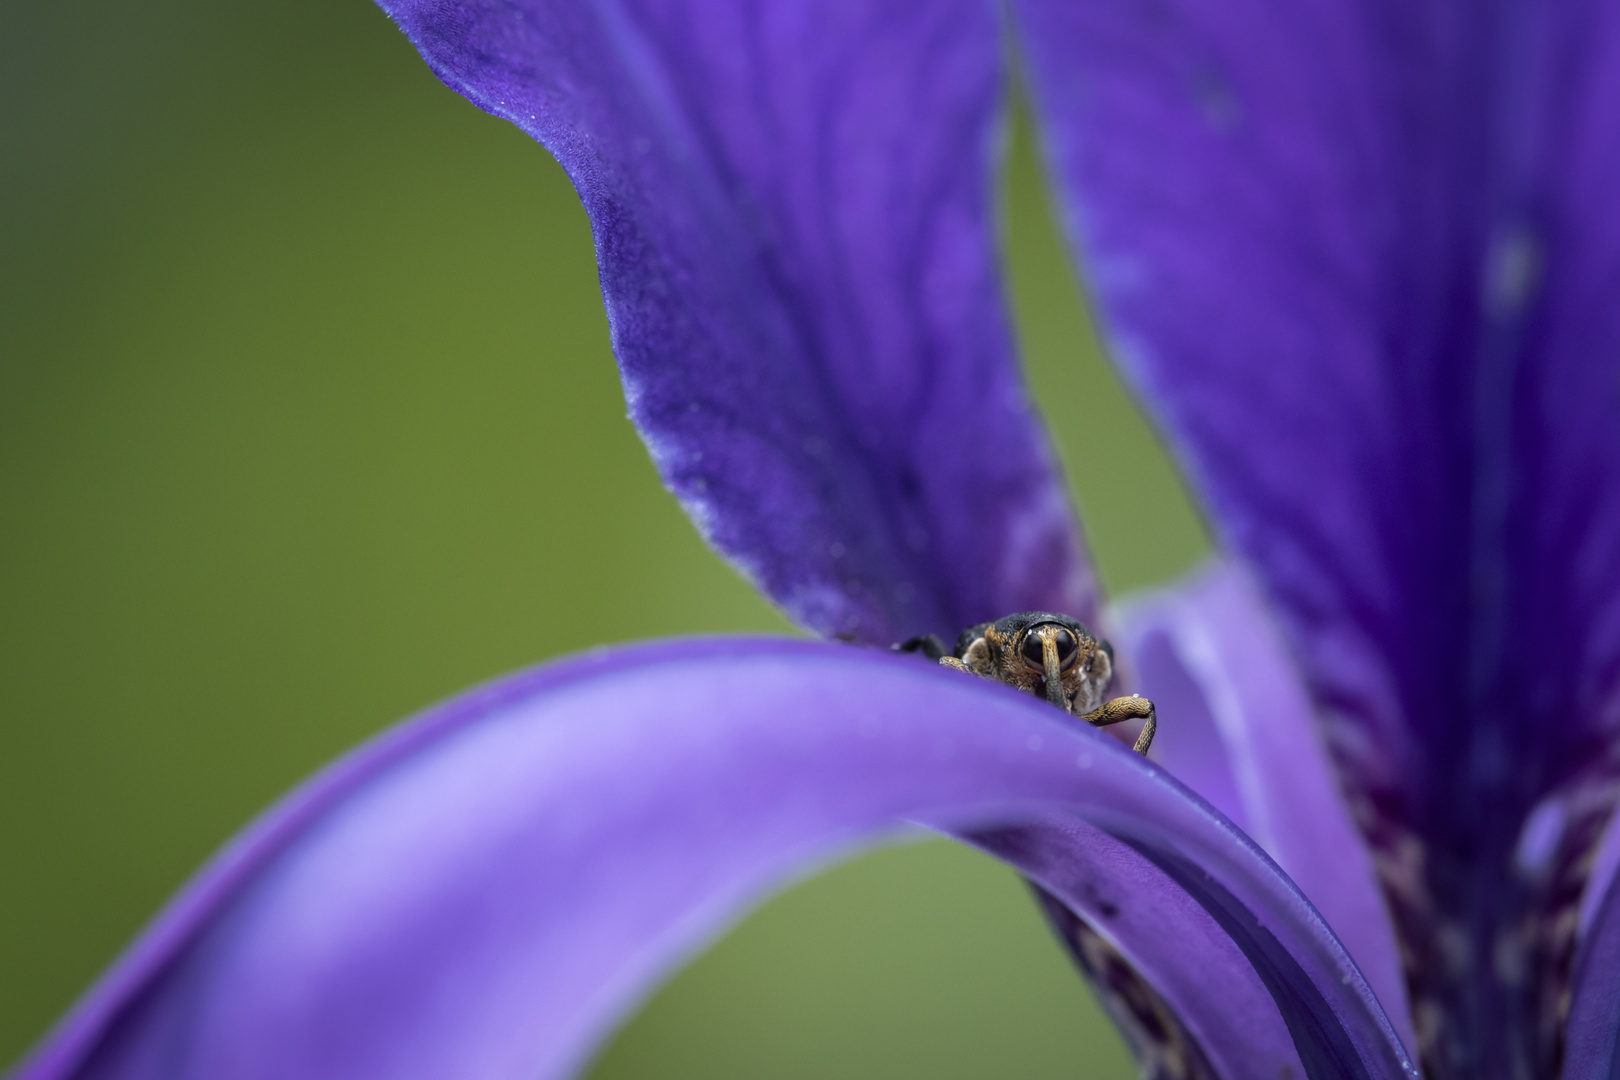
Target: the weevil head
pixel 1042 653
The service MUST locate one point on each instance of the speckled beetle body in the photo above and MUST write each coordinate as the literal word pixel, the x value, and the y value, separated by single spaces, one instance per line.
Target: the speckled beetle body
pixel 1048 655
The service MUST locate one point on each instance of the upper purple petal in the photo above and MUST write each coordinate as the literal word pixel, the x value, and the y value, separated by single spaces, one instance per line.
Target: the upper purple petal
pixel 792 205
pixel 485 891
pixel 1361 257
pixel 1244 735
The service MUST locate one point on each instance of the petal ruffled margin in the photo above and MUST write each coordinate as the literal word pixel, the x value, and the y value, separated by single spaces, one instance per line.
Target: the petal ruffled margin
pixel 488 889
pixel 792 205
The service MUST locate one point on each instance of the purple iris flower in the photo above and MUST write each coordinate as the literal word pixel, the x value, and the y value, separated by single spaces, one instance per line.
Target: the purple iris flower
pixel 1363 261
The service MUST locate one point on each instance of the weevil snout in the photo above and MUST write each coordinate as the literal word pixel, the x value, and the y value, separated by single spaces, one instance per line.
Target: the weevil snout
pixel 1051 651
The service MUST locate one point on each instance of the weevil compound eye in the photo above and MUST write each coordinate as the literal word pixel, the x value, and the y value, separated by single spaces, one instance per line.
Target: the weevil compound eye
pixel 1034 649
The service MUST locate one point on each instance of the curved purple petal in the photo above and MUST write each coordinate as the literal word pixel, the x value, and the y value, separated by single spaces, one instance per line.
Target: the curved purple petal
pixel 1361 258
pixel 1605 868
pixel 793 219
pixel 1594 1010
pixel 1593 1043
pixel 1245 736
pixel 486 890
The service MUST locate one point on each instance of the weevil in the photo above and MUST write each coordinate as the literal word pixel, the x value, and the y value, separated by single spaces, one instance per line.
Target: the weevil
pixel 1050 656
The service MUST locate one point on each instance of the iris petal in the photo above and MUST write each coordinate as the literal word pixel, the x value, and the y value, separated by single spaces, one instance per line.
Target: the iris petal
pixel 1594 1012
pixel 1360 259
pixel 488 889
pixel 1291 228
pixel 1246 737
pixel 792 206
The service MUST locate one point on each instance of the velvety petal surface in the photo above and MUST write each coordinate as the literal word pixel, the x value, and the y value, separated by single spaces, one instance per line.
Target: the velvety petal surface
pixel 1243 733
pixel 488 889
pixel 792 206
pixel 1361 257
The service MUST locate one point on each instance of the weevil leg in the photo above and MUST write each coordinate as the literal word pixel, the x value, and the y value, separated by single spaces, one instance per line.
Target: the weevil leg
pixel 926 644
pixel 1127 708
pixel 1149 729
pixel 975 660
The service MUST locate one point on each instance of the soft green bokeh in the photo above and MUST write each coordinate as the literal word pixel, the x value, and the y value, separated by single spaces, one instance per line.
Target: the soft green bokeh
pixel 307 418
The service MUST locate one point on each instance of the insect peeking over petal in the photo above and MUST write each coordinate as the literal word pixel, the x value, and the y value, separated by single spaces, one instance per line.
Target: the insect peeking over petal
pixel 1049 655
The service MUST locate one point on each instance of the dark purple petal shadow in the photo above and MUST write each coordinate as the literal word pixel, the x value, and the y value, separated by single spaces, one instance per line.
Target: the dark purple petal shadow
pixel 1245 737
pixel 487 890
pixel 793 212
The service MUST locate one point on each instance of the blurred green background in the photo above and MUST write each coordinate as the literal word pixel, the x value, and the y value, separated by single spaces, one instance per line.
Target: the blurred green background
pixel 308 419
